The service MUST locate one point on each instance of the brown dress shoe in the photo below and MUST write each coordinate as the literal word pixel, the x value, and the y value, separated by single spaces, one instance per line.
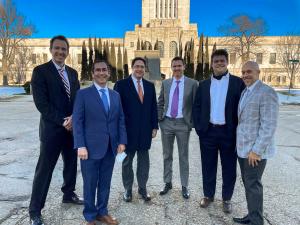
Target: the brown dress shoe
pixel 107 219
pixel 91 223
pixel 204 203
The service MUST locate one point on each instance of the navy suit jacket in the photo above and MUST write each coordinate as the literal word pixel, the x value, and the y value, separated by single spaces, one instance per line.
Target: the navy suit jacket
pixel 201 106
pixel 140 118
pixel 93 128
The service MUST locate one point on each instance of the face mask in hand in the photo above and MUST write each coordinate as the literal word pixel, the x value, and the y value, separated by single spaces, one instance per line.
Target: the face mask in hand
pixel 120 157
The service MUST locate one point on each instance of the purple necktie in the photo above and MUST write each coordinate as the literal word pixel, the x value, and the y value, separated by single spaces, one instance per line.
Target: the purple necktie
pixel 175 101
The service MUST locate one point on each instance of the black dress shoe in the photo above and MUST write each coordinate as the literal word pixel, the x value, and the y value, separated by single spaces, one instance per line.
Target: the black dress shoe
pixel 74 199
pixel 244 220
pixel 227 207
pixel 127 196
pixel 185 192
pixel 37 220
pixel 167 188
pixel 143 193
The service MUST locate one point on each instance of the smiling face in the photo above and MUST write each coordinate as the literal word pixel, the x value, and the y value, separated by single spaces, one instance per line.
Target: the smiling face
pixel 138 69
pixel 250 73
pixel 59 51
pixel 177 68
pixel 219 64
pixel 101 73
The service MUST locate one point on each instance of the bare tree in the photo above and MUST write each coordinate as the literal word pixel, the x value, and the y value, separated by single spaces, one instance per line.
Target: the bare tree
pixel 288 49
pixel 22 61
pixel 13 29
pixel 243 34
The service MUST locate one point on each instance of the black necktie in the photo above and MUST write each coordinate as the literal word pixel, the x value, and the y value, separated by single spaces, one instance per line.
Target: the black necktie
pixel 219 77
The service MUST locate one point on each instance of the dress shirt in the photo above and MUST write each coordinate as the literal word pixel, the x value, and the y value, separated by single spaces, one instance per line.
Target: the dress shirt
pixel 64 71
pixel 100 93
pixel 135 82
pixel 180 102
pixel 218 93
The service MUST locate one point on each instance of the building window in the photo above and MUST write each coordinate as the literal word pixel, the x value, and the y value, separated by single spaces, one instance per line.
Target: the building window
pixel 278 79
pixel 45 57
pixel 161 9
pixel 79 58
pixel 161 49
pixel 232 58
pixel 173 49
pixel 170 8
pixel 175 8
pixel 284 79
pixel 131 44
pixel 263 78
pixel 33 58
pixel 259 58
pixel 272 58
pixel 269 79
pixel 166 8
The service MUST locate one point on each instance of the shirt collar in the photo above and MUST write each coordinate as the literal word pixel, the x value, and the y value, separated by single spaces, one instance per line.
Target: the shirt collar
pixel 181 79
pixel 58 67
pixel 134 79
pixel 250 89
pixel 99 88
pixel 226 77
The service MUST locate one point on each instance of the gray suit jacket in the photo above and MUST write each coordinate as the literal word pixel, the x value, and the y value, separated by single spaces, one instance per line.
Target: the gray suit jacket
pixel 257 121
pixel 190 89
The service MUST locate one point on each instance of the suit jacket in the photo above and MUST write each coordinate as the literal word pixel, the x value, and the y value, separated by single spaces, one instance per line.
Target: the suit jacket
pixel 93 128
pixel 50 98
pixel 201 107
pixel 140 118
pixel 257 122
pixel 190 88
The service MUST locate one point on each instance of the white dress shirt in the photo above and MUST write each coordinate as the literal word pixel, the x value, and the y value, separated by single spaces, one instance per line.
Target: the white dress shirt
pixel 100 93
pixel 65 72
pixel 135 82
pixel 218 93
pixel 180 102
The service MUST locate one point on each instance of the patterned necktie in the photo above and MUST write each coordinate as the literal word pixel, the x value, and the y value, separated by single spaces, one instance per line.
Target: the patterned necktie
pixel 175 101
pixel 244 98
pixel 140 91
pixel 66 83
pixel 104 100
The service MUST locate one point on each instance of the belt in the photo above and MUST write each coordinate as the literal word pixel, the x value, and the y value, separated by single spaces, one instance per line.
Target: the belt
pixel 217 125
pixel 170 118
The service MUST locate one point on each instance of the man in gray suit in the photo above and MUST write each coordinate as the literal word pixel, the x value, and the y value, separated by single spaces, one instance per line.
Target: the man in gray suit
pixel 257 120
pixel 175 119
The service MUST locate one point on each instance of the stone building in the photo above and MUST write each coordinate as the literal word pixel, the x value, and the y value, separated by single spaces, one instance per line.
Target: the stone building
pixel 167 23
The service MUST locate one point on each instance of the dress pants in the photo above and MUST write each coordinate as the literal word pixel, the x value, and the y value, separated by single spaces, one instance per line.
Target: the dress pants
pixel 142 170
pixel 251 177
pixel 97 174
pixel 49 154
pixel 218 139
pixel 171 128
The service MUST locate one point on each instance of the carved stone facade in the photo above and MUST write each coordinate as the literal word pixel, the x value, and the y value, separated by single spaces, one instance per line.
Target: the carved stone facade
pixel 167 22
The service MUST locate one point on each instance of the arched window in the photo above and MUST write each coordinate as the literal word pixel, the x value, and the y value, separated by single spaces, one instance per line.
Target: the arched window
pixel 160 47
pixel 173 49
pixel 148 45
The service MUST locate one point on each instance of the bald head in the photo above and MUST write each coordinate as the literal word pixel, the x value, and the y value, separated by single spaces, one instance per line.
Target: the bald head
pixel 250 73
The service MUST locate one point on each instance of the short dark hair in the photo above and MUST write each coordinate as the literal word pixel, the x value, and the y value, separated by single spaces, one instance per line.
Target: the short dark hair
pixel 59 37
pixel 219 52
pixel 100 61
pixel 136 59
pixel 177 58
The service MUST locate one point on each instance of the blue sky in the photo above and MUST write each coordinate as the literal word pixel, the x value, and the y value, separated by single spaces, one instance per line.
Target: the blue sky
pixel 112 18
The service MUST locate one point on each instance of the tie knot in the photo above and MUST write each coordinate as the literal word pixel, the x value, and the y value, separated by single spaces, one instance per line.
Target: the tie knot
pixel 177 81
pixel 138 81
pixel 61 70
pixel 103 91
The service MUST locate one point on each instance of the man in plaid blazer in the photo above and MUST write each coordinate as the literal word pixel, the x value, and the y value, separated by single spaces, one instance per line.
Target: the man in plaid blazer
pixel 257 121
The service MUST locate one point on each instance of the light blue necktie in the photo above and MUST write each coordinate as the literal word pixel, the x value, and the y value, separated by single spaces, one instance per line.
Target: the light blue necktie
pixel 104 100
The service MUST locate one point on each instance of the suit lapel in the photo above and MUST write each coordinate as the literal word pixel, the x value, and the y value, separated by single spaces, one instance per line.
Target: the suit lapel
pixel 70 79
pixel 207 90
pixel 255 89
pixel 229 92
pixel 186 88
pixel 112 102
pixel 132 88
pixel 168 88
pixel 56 76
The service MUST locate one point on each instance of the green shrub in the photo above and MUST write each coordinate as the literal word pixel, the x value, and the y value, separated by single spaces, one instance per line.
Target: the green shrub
pixel 26 87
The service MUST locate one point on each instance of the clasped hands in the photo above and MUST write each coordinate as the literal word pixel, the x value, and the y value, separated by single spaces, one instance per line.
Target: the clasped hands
pixel 83 152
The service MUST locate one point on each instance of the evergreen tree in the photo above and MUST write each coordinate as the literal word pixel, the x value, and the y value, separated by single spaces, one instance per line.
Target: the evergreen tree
pixel 84 63
pixel 214 49
pixel 100 50
pixel 125 64
pixel 119 64
pixel 192 59
pixel 206 61
pixel 112 60
pixel 138 47
pixel 187 59
pixel 156 45
pixel 90 59
pixel 199 69
pixel 96 49
pixel 180 49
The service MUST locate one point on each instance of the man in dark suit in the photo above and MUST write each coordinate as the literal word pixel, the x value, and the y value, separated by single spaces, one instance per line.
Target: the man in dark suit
pixel 215 119
pixel 54 86
pixel 175 104
pixel 99 134
pixel 139 104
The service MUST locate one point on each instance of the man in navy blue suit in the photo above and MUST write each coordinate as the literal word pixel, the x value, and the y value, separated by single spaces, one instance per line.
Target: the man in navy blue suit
pixel 99 134
pixel 140 109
